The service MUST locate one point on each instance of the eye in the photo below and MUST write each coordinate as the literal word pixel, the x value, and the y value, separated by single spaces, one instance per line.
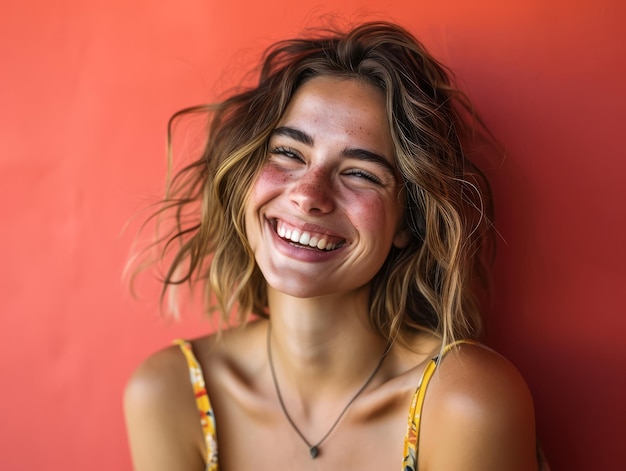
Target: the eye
pixel 362 174
pixel 287 152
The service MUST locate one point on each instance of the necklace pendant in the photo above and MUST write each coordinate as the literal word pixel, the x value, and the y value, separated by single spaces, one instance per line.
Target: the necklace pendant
pixel 315 452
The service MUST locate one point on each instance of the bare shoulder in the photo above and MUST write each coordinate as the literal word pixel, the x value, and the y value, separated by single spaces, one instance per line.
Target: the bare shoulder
pixel 162 421
pixel 477 374
pixel 478 415
pixel 159 378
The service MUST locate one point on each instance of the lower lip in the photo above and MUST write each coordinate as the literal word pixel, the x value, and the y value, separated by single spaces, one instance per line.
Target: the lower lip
pixel 300 252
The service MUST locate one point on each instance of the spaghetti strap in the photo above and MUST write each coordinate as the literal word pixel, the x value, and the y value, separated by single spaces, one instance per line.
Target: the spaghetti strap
pixel 203 404
pixel 411 440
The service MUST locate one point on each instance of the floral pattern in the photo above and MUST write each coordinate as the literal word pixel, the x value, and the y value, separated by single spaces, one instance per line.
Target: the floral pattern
pixel 207 419
pixel 411 439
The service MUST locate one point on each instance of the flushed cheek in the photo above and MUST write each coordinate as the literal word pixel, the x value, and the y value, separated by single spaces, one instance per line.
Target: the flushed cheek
pixel 374 216
pixel 269 180
pixel 268 185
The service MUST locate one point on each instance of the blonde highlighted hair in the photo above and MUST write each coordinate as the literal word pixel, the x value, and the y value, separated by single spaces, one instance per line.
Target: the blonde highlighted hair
pixel 427 285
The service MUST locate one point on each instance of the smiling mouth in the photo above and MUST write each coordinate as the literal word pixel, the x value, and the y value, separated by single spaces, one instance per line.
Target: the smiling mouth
pixel 306 239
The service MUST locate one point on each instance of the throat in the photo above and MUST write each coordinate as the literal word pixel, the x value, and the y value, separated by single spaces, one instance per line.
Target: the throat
pixel 315 445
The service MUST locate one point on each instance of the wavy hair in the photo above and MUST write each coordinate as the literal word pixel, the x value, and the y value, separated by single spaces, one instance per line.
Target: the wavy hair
pixel 427 285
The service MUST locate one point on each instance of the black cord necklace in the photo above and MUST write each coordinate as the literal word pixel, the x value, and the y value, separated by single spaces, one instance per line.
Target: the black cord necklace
pixel 314 449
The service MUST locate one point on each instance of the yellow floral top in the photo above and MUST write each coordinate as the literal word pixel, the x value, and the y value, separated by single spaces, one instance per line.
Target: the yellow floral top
pixel 207 419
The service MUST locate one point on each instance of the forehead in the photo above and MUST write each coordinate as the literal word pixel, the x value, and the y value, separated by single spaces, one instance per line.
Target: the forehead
pixel 343 108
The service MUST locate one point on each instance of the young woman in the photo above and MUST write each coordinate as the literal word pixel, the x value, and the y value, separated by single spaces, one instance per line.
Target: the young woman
pixel 337 208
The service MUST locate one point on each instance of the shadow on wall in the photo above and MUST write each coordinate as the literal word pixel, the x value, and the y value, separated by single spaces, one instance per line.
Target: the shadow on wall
pixel 545 320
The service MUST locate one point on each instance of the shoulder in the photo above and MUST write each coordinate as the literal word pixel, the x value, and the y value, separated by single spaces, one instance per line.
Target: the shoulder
pixel 161 416
pixel 158 378
pixel 478 414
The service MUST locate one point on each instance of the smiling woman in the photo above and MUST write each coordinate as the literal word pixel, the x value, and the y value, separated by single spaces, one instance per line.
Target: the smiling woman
pixel 331 178
pixel 339 206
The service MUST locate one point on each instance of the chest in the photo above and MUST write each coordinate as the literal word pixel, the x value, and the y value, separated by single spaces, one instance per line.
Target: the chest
pixel 370 436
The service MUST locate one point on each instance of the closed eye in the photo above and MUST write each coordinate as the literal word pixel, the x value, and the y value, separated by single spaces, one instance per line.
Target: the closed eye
pixel 287 152
pixel 363 174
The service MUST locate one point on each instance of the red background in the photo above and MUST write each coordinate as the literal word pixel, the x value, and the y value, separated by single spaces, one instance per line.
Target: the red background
pixel 87 87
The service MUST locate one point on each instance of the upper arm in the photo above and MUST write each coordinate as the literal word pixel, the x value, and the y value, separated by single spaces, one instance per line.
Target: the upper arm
pixel 478 415
pixel 163 425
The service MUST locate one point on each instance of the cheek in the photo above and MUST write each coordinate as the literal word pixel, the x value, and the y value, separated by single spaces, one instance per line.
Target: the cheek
pixel 375 215
pixel 266 186
pixel 269 180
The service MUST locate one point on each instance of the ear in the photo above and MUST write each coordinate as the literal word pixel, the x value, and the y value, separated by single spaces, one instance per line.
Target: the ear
pixel 402 238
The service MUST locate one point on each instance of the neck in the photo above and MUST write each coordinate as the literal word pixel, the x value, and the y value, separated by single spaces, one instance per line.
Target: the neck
pixel 323 348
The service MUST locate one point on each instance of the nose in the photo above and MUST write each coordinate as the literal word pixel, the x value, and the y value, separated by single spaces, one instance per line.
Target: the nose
pixel 313 192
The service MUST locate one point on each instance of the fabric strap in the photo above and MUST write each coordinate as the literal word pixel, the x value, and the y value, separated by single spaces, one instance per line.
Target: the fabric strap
pixel 411 440
pixel 207 418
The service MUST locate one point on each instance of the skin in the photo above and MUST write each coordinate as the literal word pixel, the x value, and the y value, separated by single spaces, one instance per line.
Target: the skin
pixel 330 172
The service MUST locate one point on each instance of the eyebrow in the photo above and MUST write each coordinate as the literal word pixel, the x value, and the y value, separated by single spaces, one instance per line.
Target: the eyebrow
pixel 294 134
pixel 356 153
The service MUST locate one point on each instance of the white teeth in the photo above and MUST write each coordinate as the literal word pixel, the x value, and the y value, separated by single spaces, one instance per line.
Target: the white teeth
pixel 304 238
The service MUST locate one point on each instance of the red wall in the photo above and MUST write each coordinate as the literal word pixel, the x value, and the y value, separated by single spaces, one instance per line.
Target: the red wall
pixel 86 90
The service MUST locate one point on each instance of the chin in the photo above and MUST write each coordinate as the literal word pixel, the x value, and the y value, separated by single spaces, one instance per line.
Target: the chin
pixel 298 289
